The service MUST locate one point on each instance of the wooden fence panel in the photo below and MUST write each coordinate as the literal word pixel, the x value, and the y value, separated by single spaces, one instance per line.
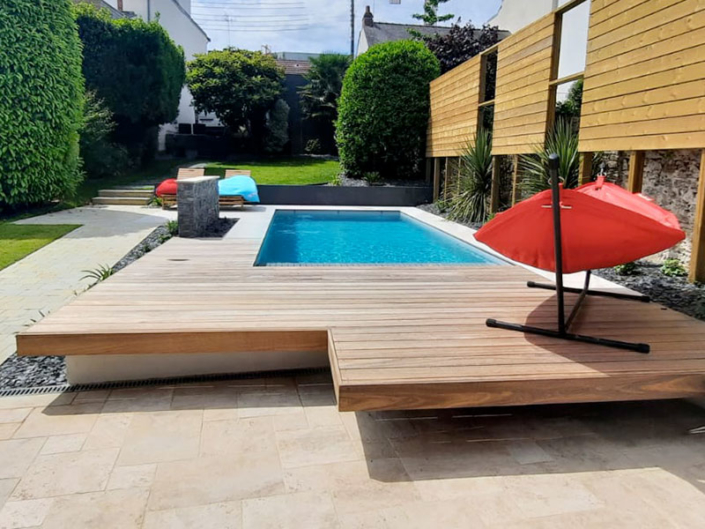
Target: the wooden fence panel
pixel 645 76
pixel 454 99
pixel 523 93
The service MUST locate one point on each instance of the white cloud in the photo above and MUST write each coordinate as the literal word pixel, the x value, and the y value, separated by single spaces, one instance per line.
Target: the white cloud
pixel 312 26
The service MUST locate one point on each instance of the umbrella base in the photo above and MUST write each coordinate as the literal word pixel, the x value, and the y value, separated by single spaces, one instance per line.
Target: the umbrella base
pixel 601 293
pixel 629 346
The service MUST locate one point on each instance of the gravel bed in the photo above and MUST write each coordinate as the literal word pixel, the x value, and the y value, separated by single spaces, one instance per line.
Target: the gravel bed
pixel 39 371
pixel 346 181
pixel 673 292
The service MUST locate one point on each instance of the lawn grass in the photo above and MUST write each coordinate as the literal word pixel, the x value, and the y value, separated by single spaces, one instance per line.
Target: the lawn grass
pixel 282 171
pixel 19 240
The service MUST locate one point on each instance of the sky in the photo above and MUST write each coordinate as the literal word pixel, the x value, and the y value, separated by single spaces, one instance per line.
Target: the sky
pixel 312 26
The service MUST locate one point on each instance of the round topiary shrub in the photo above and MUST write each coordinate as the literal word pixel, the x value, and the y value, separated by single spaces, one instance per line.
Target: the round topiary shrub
pixel 384 109
pixel 41 101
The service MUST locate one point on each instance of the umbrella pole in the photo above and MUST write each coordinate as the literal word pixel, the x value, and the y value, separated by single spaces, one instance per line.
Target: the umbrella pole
pixel 601 293
pixel 557 239
pixel 563 325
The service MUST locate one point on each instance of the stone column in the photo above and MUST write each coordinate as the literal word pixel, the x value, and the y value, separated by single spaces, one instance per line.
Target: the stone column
pixel 198 208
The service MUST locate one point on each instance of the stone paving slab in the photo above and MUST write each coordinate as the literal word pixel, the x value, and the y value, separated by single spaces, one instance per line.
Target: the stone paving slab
pixel 226 454
pixel 51 277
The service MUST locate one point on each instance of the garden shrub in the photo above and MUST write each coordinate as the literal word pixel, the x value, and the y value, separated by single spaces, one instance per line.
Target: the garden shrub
pixel 673 268
pixel 41 101
pixel 137 69
pixel 101 156
pixel 384 109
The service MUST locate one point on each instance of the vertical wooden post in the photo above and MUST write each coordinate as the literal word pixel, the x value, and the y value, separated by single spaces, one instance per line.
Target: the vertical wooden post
pixel 636 171
pixel 697 253
pixel 494 194
pixel 515 179
pixel 436 178
pixel 429 170
pixel 445 179
pixel 585 174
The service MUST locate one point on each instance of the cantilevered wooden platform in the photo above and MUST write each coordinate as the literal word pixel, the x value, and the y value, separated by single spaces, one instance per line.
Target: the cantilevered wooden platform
pixel 397 337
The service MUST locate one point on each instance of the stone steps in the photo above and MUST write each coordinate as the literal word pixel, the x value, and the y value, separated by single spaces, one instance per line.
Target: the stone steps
pixel 121 201
pixel 125 196
pixel 127 192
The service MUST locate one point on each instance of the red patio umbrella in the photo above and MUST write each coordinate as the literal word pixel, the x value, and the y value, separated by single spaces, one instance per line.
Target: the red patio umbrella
pixel 602 225
pixel 598 225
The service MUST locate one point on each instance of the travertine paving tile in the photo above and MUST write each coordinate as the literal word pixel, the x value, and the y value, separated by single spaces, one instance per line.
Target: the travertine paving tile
pixel 140 476
pixel 33 401
pixel 108 431
pixel 6 488
pixel 420 515
pixel 161 436
pixel 274 401
pixel 289 511
pixel 253 436
pixel 14 415
pixel 16 455
pixel 214 479
pixel 69 473
pixel 20 514
pixel 216 515
pixel 115 509
pixel 8 429
pixel 63 443
pixel 356 486
pixel 299 448
pixel 138 400
pixel 199 397
pixel 59 420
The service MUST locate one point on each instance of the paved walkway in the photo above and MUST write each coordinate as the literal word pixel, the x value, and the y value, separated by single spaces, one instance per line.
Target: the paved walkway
pixel 275 453
pixel 50 277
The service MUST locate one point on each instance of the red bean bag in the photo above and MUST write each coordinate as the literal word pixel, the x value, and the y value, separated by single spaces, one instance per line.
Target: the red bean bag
pixel 167 187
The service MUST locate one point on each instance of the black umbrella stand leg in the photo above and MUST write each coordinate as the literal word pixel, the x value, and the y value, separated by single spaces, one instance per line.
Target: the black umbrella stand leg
pixel 563 324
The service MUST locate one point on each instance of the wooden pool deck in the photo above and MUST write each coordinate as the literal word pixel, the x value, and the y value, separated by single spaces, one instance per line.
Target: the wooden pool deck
pixel 404 337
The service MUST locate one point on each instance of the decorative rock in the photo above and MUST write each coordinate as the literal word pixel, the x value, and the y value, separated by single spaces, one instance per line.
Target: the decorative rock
pixel 198 207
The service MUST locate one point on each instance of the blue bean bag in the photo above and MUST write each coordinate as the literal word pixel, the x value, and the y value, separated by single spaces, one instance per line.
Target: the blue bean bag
pixel 243 186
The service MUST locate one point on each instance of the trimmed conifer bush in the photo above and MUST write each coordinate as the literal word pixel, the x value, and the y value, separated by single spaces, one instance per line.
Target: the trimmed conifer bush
pixel 384 108
pixel 41 101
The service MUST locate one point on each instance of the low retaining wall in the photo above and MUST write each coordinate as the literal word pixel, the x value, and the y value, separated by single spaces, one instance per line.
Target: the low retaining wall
pixel 271 195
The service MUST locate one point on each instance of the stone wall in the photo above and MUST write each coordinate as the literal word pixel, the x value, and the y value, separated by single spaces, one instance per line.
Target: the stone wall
pixel 671 179
pixel 198 207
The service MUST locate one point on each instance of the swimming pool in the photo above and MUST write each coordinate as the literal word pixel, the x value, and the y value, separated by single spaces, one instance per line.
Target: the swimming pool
pixel 300 237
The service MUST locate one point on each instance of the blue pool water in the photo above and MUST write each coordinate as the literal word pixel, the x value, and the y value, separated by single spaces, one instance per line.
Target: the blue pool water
pixel 361 237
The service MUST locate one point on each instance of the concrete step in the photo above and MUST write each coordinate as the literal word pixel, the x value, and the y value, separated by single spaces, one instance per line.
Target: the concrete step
pixel 127 192
pixel 121 201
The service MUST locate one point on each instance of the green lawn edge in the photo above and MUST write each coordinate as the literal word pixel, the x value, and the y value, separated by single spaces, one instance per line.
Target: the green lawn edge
pixel 17 241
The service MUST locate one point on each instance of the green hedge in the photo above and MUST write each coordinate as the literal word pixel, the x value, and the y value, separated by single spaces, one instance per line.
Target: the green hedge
pixel 384 109
pixel 41 101
pixel 135 67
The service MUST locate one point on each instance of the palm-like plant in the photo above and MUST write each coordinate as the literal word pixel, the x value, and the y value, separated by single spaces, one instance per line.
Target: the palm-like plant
pixel 319 98
pixel 563 141
pixel 472 201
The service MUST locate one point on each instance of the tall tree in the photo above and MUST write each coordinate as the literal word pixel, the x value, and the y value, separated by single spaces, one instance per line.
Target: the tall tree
pixel 238 86
pixel 136 68
pixel 462 43
pixel 430 13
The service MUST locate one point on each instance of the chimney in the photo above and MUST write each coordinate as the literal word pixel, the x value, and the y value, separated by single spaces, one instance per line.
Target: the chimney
pixel 119 5
pixel 367 18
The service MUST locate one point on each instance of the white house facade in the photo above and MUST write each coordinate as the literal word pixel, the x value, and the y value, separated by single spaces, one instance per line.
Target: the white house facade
pixel 175 17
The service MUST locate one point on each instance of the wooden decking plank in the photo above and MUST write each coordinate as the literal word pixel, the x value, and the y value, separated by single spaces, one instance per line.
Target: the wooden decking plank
pixel 397 336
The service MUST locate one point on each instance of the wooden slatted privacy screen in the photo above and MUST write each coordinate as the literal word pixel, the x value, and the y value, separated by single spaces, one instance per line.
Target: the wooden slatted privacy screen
pixel 454 99
pixel 644 76
pixel 523 95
